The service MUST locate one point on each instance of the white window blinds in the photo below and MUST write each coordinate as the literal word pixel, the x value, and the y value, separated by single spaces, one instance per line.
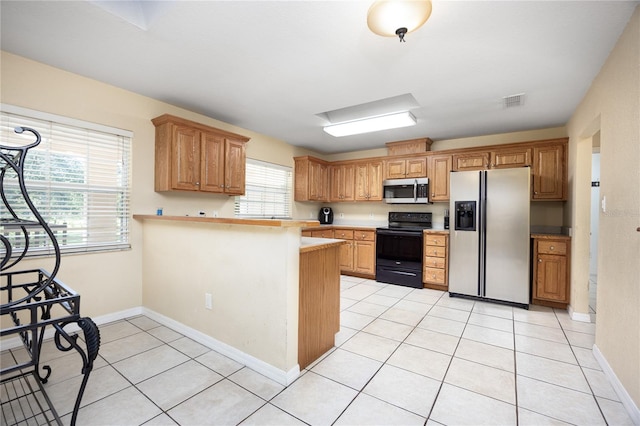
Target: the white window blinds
pixel 78 178
pixel 268 191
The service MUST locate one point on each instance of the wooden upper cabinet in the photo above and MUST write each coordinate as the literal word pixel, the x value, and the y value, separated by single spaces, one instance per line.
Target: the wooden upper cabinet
pixel 496 159
pixel 311 179
pixel 470 161
pixel 361 180
pixel 412 146
pixel 400 168
pixel 318 181
pixel 185 153
pixel 510 158
pixel 190 156
pixel 439 169
pixel 368 181
pixel 235 166
pixel 549 172
pixel 212 163
pixel 342 182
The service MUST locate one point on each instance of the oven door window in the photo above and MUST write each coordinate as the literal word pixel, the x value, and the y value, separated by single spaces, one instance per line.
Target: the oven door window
pixel 399 246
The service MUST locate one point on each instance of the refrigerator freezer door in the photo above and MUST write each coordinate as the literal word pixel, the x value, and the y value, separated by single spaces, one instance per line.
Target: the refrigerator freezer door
pixel 507 235
pixel 464 245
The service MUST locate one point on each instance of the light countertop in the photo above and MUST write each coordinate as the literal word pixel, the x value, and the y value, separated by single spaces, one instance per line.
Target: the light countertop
pixel 310 244
pixel 278 223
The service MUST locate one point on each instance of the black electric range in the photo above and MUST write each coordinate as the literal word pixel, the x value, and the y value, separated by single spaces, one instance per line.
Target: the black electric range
pixel 399 248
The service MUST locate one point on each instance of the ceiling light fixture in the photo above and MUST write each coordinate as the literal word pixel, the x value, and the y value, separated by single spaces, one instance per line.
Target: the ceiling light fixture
pixel 390 18
pixel 371 124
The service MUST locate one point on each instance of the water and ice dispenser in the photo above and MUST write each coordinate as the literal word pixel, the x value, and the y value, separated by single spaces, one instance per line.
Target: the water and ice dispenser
pixel 465 215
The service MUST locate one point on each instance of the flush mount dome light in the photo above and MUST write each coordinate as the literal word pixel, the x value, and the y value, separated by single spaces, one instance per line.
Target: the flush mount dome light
pixel 371 124
pixel 391 18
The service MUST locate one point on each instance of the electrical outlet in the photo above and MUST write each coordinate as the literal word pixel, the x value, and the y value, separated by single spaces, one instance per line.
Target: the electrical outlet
pixel 370 215
pixel 208 301
pixel 310 215
pixel 215 213
pixel 341 215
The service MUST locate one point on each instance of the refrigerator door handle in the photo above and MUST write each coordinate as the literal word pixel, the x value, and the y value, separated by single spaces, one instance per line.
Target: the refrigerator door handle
pixel 482 241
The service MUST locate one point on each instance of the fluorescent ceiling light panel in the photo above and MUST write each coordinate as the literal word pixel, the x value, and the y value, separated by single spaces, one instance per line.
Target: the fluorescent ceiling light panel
pixel 400 103
pixel 371 124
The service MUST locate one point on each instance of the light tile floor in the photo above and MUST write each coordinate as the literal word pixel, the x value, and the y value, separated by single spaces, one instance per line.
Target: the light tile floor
pixel 403 356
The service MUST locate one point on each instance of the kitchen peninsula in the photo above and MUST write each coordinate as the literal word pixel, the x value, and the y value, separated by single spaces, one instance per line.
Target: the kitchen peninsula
pixel 240 286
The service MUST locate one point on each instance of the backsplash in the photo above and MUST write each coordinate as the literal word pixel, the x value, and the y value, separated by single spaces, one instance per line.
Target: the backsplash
pixel 542 213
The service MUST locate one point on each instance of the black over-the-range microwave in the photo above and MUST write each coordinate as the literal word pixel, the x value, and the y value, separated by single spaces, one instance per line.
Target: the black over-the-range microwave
pixel 406 191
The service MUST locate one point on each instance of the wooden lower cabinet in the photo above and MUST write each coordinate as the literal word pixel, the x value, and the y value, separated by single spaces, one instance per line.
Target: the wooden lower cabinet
pixel 551 272
pixel 322 233
pixel 319 303
pixel 358 255
pixel 364 258
pixel 346 250
pixel 435 265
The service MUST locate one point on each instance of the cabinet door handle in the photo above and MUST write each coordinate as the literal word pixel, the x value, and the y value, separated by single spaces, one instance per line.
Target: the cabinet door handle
pixel 551 248
pixel 539 260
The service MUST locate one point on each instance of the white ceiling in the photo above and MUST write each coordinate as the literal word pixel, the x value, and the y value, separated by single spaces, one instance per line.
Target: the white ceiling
pixel 275 66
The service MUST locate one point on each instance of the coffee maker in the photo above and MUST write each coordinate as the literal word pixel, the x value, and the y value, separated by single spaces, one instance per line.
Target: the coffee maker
pixel 325 216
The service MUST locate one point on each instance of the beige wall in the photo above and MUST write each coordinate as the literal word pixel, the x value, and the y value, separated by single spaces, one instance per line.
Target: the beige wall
pixel 251 273
pixel 611 107
pixel 112 282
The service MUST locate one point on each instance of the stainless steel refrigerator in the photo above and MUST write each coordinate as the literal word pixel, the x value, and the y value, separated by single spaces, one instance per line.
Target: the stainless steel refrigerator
pixel 490 234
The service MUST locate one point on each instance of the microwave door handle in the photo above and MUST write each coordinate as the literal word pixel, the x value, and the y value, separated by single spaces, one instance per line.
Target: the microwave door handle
pixel 415 190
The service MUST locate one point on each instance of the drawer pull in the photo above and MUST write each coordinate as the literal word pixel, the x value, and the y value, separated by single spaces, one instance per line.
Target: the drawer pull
pixel 551 248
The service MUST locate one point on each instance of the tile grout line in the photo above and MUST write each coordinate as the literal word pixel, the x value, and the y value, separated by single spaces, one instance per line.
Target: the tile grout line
pixel 384 362
pixel 582 370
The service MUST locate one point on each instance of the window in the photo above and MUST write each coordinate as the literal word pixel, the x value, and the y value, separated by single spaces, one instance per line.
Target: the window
pixel 267 191
pixel 77 178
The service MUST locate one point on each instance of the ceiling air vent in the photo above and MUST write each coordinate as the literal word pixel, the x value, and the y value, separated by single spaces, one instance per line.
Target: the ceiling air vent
pixel 513 100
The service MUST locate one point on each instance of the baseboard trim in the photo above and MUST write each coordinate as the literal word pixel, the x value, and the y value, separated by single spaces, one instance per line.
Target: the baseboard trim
pixel 283 377
pixel 16 341
pixel 625 398
pixel 577 316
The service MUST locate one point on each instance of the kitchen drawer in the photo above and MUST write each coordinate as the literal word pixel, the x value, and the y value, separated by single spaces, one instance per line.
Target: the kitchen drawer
pixel 325 233
pixel 435 240
pixel 433 275
pixel 344 234
pixel 434 251
pixel 364 235
pixel 552 247
pixel 434 262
